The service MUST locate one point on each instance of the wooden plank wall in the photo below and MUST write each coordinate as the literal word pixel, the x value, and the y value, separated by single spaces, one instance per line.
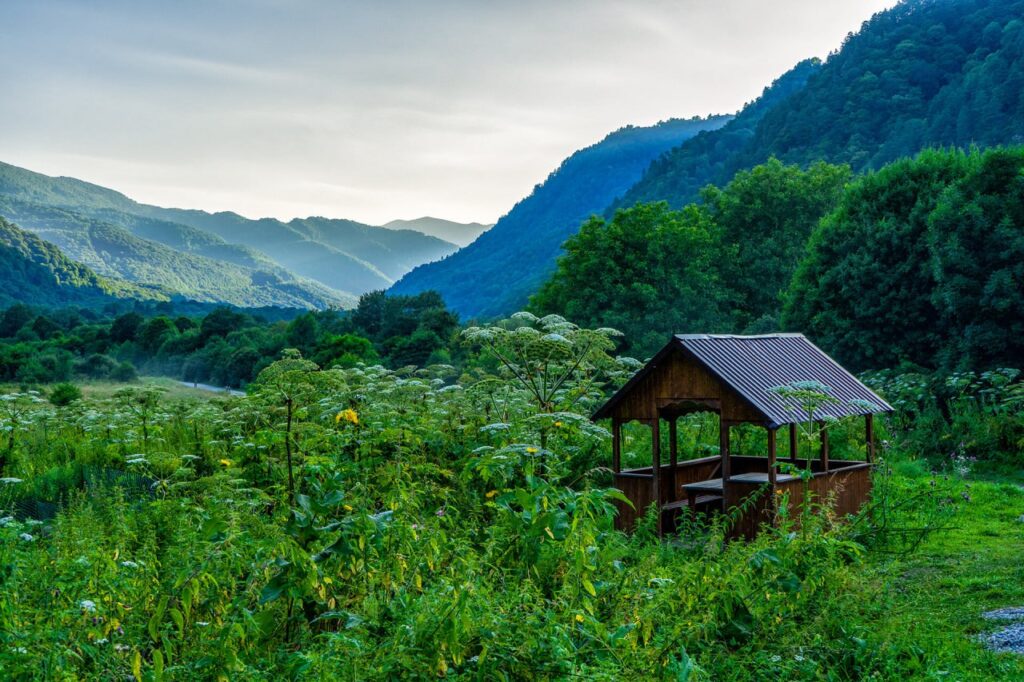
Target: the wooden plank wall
pixel 680 377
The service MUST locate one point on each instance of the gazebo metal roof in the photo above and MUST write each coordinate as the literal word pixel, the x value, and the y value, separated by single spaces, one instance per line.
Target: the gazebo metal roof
pixel 753 365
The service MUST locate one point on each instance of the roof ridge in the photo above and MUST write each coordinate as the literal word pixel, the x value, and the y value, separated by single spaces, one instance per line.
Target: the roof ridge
pixel 775 335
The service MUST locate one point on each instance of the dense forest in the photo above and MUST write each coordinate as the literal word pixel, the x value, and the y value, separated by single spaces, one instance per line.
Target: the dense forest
pixel 223 347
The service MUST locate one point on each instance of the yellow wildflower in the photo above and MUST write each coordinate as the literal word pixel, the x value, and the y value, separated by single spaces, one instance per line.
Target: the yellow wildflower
pixel 492 494
pixel 558 425
pixel 226 462
pixel 531 450
pixel 347 507
pixel 348 415
pixel 579 618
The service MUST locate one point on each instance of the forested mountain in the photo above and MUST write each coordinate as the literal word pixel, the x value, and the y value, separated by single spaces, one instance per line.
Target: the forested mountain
pixel 343 254
pixel 36 271
pixel 460 234
pixel 925 73
pixel 498 271
pixel 345 258
pixel 113 251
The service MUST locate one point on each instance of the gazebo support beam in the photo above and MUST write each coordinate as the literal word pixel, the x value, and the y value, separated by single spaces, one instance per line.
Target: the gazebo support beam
pixel 656 464
pixel 723 447
pixel 771 457
pixel 616 445
pixel 793 443
pixel 673 455
pixel 869 436
pixel 824 445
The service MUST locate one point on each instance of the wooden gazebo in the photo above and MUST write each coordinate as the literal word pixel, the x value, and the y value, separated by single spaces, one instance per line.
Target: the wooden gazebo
pixel 733 376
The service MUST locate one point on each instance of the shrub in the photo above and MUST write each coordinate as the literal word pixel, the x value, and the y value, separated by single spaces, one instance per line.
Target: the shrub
pixel 65 394
pixel 124 372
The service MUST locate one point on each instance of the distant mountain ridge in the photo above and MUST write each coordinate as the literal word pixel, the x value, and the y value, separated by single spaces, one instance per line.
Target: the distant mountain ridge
pixel 498 271
pixel 310 262
pixel 461 234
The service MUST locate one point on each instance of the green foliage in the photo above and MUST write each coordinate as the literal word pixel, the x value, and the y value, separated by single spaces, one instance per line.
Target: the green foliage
pixel 718 267
pixel 649 271
pixel 64 394
pixel 366 523
pixel 557 363
pixel 919 263
pixel 768 214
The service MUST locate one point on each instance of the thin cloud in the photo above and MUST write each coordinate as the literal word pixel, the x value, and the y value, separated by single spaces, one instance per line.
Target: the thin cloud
pixel 373 110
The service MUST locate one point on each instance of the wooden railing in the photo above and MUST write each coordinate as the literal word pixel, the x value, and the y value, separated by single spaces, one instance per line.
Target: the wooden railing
pixel 845 486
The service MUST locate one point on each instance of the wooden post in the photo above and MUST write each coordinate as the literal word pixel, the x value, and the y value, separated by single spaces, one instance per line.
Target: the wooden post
pixel 793 444
pixel 656 463
pixel 771 458
pixel 869 436
pixel 673 448
pixel 673 453
pixel 616 445
pixel 723 447
pixel 824 445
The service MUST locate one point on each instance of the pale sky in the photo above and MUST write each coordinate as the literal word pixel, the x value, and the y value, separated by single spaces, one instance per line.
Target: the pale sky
pixel 373 110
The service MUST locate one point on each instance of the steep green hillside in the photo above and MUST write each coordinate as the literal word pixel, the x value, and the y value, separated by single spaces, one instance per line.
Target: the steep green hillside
pixel 499 271
pixel 35 271
pixel 926 73
pixel 113 251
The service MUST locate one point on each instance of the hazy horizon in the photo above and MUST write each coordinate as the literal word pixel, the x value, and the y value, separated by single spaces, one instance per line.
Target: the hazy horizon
pixel 453 110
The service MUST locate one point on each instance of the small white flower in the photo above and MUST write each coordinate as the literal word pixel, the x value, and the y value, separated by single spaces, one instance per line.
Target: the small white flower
pixel 776 658
pixel 202 623
pixel 10 480
pixel 102 640
pixel 27 538
pixel 129 564
pixel 87 605
pixel 6 521
pixel 33 522
pixel 798 658
pixel 121 647
pixel 20 650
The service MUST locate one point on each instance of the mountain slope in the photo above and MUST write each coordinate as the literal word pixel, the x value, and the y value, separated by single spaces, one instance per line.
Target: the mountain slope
pixel 339 261
pixel 925 73
pixel 37 272
pixel 497 272
pixel 113 251
pixel 461 234
pixel 343 255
